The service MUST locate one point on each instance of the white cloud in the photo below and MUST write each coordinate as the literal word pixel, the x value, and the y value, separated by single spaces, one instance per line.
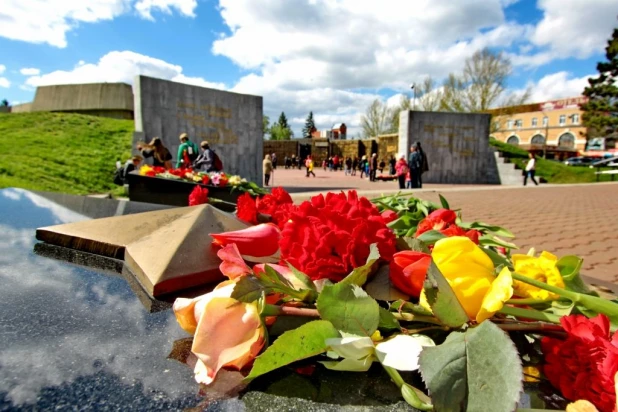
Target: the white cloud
pixel 2 68
pixel 48 21
pixel 4 82
pixel 30 71
pixel 556 86
pixel 572 28
pixel 119 66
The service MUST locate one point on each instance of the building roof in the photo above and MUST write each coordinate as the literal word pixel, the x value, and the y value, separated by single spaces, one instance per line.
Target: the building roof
pixel 570 102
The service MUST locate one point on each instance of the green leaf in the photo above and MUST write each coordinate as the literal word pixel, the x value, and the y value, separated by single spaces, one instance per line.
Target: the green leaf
pixel 349 308
pixel 248 289
pixel 413 397
pixel 411 243
pixel 442 299
pixel 430 237
pixel 304 342
pixel 478 370
pixel 561 307
pixel 444 202
pixel 272 280
pixel 487 240
pixel 496 230
pixel 302 278
pixel 380 287
pixel 569 267
pixel 388 320
pixel 359 275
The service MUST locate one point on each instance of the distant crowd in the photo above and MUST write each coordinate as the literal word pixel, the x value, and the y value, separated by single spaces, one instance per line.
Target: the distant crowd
pixel 407 171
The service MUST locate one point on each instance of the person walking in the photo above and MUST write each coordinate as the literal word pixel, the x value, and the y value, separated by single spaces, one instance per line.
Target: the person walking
pixel 187 152
pixel 348 166
pixel 414 164
pixel 373 167
pixel 530 170
pixel 424 164
pixel 267 166
pixel 274 160
pixel 391 163
pixel 401 170
pixel 363 166
pixel 309 166
pixel 354 166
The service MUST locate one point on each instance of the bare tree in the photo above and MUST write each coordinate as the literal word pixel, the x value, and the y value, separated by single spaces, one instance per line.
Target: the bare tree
pixel 429 96
pixel 404 104
pixel 481 86
pixel 376 120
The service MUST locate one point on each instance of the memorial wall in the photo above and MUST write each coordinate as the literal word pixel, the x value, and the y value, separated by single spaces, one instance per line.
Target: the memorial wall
pixel 230 122
pixel 456 145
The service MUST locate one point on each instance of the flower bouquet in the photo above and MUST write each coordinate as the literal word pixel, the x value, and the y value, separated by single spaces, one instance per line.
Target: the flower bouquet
pixel 405 284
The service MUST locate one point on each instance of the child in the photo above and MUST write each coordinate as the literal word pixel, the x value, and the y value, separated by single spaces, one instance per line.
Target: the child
pixel 408 181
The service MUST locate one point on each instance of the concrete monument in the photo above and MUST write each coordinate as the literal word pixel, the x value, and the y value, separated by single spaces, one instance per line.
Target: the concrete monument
pixel 230 122
pixel 456 144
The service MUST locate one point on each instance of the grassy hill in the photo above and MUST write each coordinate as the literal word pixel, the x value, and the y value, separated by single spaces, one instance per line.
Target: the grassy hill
pixel 62 152
pixel 553 171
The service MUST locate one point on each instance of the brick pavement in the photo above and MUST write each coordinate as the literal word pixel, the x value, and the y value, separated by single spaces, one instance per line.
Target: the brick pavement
pixel 562 219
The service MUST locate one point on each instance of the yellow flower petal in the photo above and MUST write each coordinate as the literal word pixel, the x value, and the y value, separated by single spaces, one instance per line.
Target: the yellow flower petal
pixel 499 292
pixel 543 269
pixel 581 406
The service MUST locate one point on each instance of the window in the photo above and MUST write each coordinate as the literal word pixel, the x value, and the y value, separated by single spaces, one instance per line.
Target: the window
pixel 545 121
pixel 538 139
pixel 509 124
pixel 575 118
pixel 534 123
pixel 566 140
pixel 518 123
pixel 562 120
pixel 513 140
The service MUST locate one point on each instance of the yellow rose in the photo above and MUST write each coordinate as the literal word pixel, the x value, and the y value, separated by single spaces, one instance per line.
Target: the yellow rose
pixel 234 180
pixel 543 269
pixel 470 272
pixel 145 169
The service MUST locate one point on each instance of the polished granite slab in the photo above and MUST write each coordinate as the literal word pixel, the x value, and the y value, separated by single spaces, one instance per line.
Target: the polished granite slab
pixel 78 333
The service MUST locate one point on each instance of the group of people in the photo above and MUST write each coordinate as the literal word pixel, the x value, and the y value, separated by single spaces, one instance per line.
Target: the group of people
pixel 410 171
pixel 189 156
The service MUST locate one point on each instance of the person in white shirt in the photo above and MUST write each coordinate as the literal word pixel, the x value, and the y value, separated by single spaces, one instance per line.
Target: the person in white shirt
pixel 530 170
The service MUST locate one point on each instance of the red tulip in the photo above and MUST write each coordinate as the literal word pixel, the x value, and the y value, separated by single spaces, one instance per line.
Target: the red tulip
pixel 446 215
pixel 389 215
pixel 408 270
pixel 255 241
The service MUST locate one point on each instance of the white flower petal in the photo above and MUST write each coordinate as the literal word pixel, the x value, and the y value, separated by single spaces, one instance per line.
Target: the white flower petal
pixel 352 347
pixel 402 351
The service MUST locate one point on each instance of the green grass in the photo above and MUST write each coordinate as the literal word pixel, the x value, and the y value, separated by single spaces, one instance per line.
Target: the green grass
pixel 62 152
pixel 551 170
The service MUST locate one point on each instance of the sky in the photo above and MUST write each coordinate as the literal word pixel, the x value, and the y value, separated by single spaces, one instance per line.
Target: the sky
pixel 332 57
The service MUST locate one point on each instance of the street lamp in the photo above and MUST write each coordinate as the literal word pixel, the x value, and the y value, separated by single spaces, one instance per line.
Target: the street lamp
pixel 413 87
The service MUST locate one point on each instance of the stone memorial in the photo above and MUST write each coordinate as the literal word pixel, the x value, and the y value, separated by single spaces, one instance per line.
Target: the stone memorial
pixel 456 144
pixel 230 122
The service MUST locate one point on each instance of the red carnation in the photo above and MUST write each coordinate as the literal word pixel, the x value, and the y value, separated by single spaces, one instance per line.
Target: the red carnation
pixel 205 179
pixel 246 209
pixel 198 196
pixel 443 220
pixel 389 215
pixel 329 236
pixel 583 366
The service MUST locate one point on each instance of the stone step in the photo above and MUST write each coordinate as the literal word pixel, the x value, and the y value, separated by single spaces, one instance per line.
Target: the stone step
pixel 508 172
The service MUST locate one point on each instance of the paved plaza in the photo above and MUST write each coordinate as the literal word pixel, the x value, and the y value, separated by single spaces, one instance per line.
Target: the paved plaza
pixel 562 219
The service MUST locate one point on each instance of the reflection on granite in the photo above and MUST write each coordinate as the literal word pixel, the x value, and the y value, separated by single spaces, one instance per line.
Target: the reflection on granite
pixel 72 336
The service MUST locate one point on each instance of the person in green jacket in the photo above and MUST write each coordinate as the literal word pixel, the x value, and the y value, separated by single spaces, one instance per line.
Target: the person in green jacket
pixel 186 147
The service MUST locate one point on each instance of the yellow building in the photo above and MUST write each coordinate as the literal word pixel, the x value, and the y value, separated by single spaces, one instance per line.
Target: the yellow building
pixel 557 123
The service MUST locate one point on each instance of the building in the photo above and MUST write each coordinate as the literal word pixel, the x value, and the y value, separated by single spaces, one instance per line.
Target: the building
pixel 555 124
pixel 339 131
pixel 95 99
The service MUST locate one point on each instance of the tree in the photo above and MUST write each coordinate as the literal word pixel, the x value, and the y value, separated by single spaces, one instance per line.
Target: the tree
pixel 309 126
pixel 404 104
pixel 429 96
pixel 4 103
pixel 601 111
pixel 376 120
pixel 481 86
pixel 280 133
pixel 283 121
pixel 265 125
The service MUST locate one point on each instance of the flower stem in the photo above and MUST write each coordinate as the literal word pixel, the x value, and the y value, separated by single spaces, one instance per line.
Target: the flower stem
pixel 528 301
pixel 410 317
pixel 410 395
pixel 215 200
pixel 530 314
pixel 274 310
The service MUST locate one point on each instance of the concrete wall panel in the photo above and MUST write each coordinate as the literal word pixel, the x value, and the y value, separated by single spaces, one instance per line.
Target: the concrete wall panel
pixel 230 122
pixel 456 144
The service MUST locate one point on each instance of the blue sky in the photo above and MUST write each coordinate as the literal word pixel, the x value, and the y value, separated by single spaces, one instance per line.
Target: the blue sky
pixel 332 57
